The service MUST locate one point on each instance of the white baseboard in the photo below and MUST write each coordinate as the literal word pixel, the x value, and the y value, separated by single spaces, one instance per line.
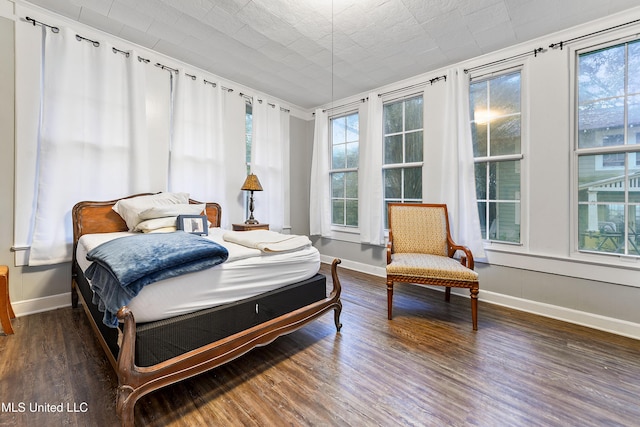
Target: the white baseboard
pixel 595 321
pixel 38 305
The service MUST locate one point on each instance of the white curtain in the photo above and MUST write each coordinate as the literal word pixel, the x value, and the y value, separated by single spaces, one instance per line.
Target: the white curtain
pixel 457 188
pixel 370 187
pixel 197 152
pixel 319 191
pixel 92 136
pixel 267 154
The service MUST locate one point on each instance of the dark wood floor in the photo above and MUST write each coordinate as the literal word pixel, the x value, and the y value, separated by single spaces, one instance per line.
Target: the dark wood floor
pixel 426 367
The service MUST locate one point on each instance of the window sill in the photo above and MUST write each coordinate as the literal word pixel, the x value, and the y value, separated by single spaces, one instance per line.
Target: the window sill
pixel 609 269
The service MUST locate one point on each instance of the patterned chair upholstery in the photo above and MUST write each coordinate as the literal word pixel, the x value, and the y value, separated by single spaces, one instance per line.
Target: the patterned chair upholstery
pixel 420 250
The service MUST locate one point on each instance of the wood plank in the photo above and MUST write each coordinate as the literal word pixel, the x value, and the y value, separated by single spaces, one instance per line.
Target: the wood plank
pixel 425 367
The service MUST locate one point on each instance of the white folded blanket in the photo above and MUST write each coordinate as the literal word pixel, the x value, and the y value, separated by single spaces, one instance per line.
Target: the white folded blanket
pixel 267 241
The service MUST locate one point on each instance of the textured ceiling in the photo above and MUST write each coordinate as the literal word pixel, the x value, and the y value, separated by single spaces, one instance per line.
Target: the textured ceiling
pixel 308 52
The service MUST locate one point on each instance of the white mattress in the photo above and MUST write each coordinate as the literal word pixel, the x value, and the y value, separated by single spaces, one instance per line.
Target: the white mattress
pixel 247 272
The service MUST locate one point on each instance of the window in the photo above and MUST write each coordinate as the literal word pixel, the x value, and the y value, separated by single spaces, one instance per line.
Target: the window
pixel 607 137
pixel 403 151
pixel 496 127
pixel 345 135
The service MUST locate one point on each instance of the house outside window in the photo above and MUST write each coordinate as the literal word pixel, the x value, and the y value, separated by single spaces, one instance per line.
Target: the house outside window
pixel 496 128
pixel 607 146
pixel 345 136
pixel 403 151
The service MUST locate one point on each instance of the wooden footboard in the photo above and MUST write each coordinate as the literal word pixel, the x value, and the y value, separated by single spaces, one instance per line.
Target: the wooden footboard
pixel 135 382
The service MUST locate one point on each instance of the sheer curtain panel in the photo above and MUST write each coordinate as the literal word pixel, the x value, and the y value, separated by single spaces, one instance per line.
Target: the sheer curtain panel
pixel 267 163
pixel 320 193
pixel 371 207
pixel 457 188
pixel 92 136
pixel 197 153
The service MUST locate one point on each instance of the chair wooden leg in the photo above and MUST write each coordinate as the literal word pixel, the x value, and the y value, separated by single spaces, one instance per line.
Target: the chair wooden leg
pixel 474 308
pixel 389 298
pixel 447 294
pixel 6 311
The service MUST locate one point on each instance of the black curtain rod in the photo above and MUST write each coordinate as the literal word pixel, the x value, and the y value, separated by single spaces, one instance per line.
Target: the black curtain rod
pixel 124 52
pixel 348 104
pixel 563 42
pixel 535 52
pixel 414 86
pixel 93 42
pixel 164 67
pixel 34 22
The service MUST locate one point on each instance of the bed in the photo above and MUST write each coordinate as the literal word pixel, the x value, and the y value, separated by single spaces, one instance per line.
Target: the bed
pixel 166 345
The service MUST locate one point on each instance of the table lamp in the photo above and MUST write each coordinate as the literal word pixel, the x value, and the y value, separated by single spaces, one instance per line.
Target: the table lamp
pixel 251 184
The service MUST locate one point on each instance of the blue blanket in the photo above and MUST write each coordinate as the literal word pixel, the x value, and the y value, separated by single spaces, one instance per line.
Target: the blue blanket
pixel 123 266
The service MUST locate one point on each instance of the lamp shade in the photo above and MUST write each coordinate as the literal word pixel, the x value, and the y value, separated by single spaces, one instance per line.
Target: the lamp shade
pixel 251 183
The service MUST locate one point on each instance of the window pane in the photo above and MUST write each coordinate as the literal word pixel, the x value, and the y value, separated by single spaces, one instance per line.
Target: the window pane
pixel 601 227
pixel 337 185
pixel 352 213
pixel 482 213
pixel 633 217
pixel 393 117
pixel 393 149
pixel 505 94
pixel 634 67
pixel 353 128
pixel 478 98
pixel 479 135
pixel 601 74
pixel 337 211
pixel 413 149
pixel 598 184
pixel 505 136
pixel 338 158
pixel 504 180
pixel 351 184
pixel 634 119
pixel 481 181
pixel 339 130
pixel 352 155
pixel 504 221
pixel 413 114
pixel 598 119
pixel 393 184
pixel 413 183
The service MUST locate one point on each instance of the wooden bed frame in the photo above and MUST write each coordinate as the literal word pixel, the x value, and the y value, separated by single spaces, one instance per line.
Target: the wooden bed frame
pixel 135 381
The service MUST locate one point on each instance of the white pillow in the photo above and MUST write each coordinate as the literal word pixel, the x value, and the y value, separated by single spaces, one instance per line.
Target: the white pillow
pixel 172 210
pixel 129 209
pixel 151 225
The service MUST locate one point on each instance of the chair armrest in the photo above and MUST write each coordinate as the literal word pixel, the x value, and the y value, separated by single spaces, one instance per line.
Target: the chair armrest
pixel 389 248
pixel 466 259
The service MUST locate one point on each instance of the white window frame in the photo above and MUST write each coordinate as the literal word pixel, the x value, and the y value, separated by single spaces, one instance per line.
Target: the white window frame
pixel 350 231
pixel 521 207
pixel 404 165
pixel 632 151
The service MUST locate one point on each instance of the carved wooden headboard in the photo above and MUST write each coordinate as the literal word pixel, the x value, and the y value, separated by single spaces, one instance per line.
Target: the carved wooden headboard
pixel 99 217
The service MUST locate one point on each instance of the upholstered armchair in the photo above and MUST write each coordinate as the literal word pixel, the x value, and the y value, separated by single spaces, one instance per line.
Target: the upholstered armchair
pixel 420 251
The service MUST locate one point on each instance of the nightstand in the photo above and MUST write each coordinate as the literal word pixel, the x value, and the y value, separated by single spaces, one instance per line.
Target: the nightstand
pixel 249 227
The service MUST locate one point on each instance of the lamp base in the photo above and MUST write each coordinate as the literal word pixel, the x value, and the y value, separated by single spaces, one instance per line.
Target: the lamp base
pixel 251 221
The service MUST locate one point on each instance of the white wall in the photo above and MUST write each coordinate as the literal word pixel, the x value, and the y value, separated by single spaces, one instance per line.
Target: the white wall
pixel 545 274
